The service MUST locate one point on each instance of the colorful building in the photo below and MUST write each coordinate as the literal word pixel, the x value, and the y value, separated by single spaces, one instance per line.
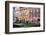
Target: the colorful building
pixel 27 13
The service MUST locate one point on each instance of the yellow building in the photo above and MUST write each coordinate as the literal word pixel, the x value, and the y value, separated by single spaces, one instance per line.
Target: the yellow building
pixel 24 14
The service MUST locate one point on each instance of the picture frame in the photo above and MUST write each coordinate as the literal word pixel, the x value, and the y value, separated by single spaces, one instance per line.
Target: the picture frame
pixel 32 17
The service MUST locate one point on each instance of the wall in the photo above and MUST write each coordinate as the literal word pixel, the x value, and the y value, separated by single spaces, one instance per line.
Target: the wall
pixel 2 18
